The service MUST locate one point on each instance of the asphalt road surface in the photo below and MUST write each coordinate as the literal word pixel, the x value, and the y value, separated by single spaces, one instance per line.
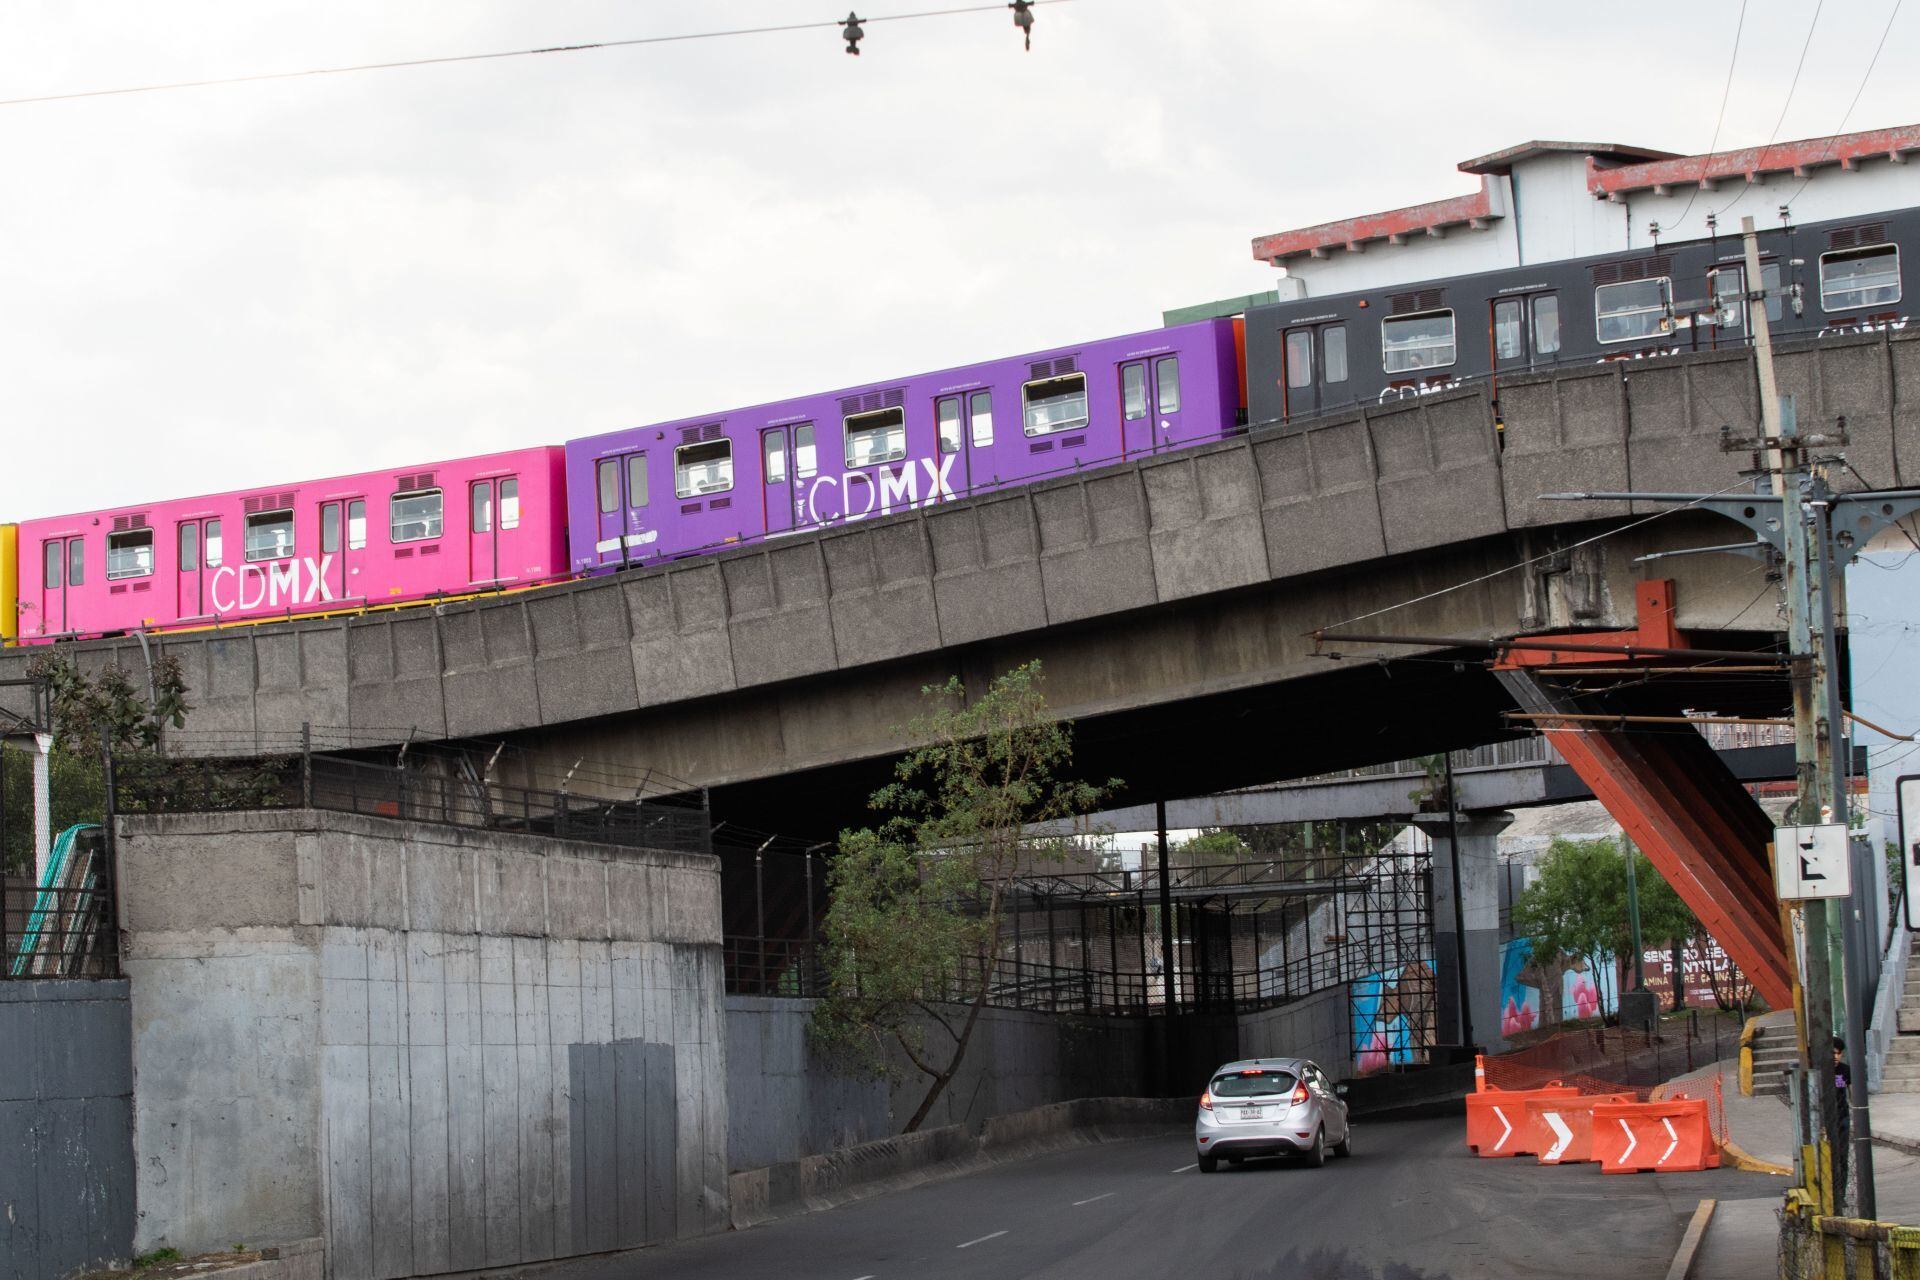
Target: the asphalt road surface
pixel 1411 1204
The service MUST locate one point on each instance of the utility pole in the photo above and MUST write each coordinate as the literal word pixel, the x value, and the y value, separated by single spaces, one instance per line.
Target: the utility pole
pixel 1797 519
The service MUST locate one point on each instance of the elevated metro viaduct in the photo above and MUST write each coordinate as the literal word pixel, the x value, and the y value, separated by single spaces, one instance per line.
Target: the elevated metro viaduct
pixel 1172 601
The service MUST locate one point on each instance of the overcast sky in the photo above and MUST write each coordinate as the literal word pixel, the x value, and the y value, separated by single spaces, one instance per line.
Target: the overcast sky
pixel 245 285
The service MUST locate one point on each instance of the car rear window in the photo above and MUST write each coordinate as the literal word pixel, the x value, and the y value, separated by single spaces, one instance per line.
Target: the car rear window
pixel 1251 1084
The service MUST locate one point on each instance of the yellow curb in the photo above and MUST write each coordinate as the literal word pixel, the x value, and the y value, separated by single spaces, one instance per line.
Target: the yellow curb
pixel 1752 1164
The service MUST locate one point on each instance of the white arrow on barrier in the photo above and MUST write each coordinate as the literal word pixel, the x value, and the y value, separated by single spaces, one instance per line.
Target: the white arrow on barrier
pixel 1506 1130
pixel 1561 1135
pixel 1632 1141
pixel 1670 1145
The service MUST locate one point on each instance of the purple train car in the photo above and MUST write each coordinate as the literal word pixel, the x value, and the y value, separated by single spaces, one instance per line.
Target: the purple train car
pixel 644 494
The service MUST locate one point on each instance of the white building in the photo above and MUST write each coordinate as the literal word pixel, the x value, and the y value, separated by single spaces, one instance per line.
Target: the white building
pixel 1544 201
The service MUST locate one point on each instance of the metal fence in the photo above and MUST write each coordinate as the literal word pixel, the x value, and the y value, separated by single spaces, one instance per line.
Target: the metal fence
pixel 67 928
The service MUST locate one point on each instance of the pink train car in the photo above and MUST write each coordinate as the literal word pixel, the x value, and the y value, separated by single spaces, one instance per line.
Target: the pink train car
pixel 352 542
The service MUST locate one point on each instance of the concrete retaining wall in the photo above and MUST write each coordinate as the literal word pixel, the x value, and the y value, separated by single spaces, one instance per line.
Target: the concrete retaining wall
pixel 66 1126
pixel 784 1103
pixel 435 1049
pixel 1317 1027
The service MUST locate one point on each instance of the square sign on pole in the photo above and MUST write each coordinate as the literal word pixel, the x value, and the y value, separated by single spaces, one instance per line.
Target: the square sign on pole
pixel 1812 862
pixel 1907 789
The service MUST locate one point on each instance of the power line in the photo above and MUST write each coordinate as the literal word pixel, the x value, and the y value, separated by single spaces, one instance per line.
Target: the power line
pixel 1780 120
pixel 837 23
pixel 1871 64
pixel 1719 120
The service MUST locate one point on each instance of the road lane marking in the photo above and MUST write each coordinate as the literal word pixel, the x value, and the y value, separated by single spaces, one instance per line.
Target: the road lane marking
pixel 1183 1168
pixel 982 1240
pixel 1091 1199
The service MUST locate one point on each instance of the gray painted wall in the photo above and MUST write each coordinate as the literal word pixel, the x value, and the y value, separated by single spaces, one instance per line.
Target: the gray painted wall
pixel 437 1049
pixel 66 1126
pixel 784 1102
pixel 1319 1027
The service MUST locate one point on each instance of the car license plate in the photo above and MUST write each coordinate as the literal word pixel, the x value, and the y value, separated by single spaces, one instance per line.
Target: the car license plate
pixel 1252 1113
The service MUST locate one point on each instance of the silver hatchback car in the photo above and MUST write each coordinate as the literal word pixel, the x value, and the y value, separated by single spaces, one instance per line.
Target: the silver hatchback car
pixel 1271 1107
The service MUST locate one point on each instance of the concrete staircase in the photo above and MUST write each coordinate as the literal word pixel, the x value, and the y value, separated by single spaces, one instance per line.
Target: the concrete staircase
pixel 1774 1051
pixel 1902 1074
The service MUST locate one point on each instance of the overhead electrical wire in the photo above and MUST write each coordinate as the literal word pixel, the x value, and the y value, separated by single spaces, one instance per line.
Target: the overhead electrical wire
pixel 836 23
pixel 1719 120
pixel 1868 75
pixel 1781 119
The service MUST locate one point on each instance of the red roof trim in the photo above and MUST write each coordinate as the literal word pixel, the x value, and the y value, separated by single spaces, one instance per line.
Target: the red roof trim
pixel 1750 163
pixel 1412 220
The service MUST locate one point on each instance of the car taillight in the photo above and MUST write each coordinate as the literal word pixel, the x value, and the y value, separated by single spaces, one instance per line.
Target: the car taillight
pixel 1299 1095
pixel 1206 1100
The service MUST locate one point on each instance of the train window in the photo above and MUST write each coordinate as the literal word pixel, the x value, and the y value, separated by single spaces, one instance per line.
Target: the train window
pixel 703 468
pixel 269 535
pixel 637 489
pixel 980 409
pixel 130 554
pixel 1633 309
pixel 876 437
pixel 214 545
pixel 356 529
pixel 1509 329
pixel 1424 341
pixel 773 452
pixel 1300 358
pixel 76 562
pixel 189 546
pixel 1133 391
pixel 1333 353
pixel 510 503
pixel 1859 278
pixel 1546 324
pixel 1167 375
pixel 329 528
pixel 54 566
pixel 946 412
pixel 415 517
pixel 607 480
pixel 480 513
pixel 805 460
pixel 1056 404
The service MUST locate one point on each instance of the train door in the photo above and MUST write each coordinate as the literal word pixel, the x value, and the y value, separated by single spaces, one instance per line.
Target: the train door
pixel 63 565
pixel 483 539
pixel 621 496
pixel 949 416
pixel 1728 287
pixel 1136 415
pixel 1525 331
pixel 190 580
pixel 776 475
pixel 1314 368
pixel 343 543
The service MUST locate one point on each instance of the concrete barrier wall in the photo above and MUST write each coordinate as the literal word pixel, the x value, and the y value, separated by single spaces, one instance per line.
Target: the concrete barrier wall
pixel 66 1126
pixel 1274 506
pixel 784 1102
pixel 1318 1027
pixel 435 1049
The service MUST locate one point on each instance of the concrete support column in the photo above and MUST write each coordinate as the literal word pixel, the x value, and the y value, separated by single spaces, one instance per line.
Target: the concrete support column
pixel 42 808
pixel 1475 930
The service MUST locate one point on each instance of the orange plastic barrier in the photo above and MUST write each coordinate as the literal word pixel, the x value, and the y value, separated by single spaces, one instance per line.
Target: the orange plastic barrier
pixel 1560 1130
pixel 1494 1118
pixel 1670 1136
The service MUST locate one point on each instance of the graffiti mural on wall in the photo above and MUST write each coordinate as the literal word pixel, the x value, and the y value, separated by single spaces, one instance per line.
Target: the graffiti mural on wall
pixel 1535 994
pixel 1393 1013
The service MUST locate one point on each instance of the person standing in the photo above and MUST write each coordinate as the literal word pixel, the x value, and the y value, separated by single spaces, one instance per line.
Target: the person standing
pixel 1843 1124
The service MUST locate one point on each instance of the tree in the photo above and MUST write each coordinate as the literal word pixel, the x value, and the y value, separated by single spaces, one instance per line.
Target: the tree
pixel 89 715
pixel 914 926
pixel 1210 844
pixel 1576 913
